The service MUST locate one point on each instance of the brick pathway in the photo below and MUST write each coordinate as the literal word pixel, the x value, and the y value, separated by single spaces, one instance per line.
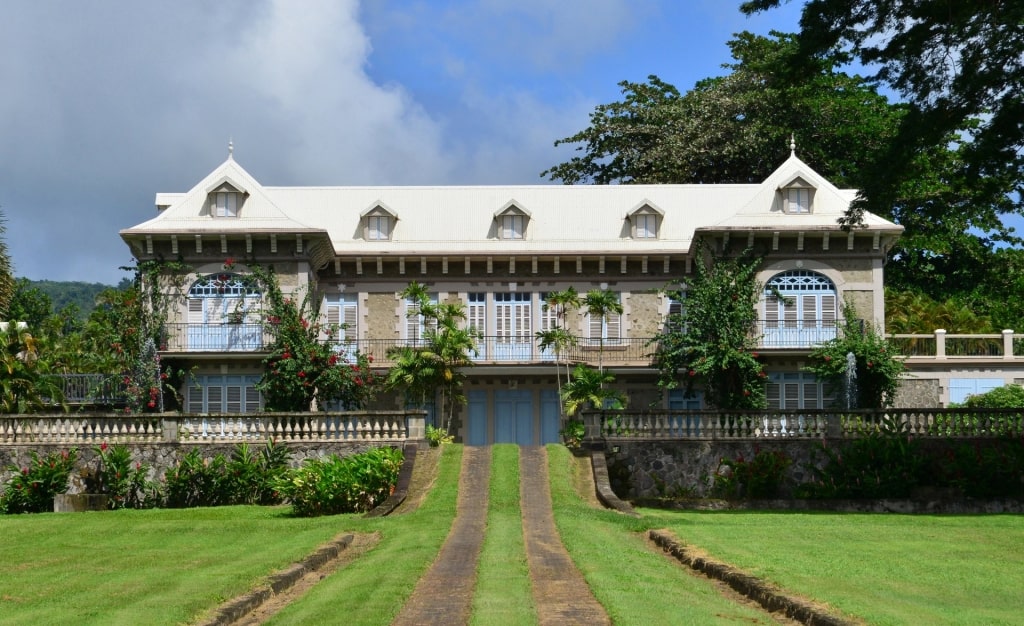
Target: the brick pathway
pixel 559 591
pixel 444 595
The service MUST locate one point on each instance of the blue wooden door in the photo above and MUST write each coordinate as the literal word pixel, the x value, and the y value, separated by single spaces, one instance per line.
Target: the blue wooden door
pixel 549 417
pixel 476 429
pixel 513 417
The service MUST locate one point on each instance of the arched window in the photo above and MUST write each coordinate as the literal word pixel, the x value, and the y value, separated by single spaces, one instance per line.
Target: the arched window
pixel 800 310
pixel 223 314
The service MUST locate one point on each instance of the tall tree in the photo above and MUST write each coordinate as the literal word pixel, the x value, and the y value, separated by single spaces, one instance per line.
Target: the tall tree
pixel 6 271
pixel 709 341
pixel 960 65
pixel 601 303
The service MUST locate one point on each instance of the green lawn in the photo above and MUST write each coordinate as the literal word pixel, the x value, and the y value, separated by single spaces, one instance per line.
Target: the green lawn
pixel 171 566
pixel 885 569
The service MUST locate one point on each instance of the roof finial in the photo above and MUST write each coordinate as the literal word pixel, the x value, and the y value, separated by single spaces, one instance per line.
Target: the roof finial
pixel 792 145
pixel 231 148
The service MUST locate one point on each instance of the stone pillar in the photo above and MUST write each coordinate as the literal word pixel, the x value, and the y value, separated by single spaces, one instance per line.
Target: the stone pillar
pixel 1007 344
pixel 940 343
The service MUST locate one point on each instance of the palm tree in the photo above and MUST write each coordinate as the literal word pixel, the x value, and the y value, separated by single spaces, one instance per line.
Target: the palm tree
pixel 6 272
pixel 600 304
pixel 558 337
pixel 585 388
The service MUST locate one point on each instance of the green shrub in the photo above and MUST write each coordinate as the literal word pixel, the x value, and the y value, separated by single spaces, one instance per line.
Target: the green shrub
pixel 332 485
pixel 882 464
pixel 125 485
pixel 573 433
pixel 1005 397
pixel 438 436
pixel 197 482
pixel 32 488
pixel 760 477
pixel 251 476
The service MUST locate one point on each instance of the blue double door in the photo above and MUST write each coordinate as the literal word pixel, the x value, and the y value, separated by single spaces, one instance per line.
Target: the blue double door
pixel 525 417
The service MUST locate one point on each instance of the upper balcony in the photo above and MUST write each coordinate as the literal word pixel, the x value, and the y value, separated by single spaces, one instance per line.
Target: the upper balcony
pixel 230 338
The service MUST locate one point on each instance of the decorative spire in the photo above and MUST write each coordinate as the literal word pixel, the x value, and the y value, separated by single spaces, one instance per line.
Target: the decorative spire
pixel 792 145
pixel 231 149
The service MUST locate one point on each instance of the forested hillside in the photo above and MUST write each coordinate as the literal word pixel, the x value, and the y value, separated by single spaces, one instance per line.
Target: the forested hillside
pixel 63 293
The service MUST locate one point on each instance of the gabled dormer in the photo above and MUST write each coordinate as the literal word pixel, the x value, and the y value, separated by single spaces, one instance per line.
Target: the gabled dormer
pixel 512 221
pixel 796 196
pixel 645 221
pixel 225 198
pixel 378 222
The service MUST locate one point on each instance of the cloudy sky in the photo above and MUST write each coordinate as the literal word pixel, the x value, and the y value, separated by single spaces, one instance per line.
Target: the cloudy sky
pixel 103 104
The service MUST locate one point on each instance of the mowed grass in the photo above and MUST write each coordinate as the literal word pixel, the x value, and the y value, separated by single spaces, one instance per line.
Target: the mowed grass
pixel 635 584
pixel 173 566
pixel 143 567
pixel 882 568
pixel 503 591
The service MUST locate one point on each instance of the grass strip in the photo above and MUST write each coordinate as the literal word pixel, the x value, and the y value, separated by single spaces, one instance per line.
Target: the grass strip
pixel 373 589
pixel 144 567
pixel 636 584
pixel 503 591
pixel 882 568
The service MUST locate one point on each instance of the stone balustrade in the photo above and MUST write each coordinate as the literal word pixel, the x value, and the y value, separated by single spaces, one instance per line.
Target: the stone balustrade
pixel 808 424
pixel 93 429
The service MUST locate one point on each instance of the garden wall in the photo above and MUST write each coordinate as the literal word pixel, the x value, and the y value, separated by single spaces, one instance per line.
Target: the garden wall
pixel 686 468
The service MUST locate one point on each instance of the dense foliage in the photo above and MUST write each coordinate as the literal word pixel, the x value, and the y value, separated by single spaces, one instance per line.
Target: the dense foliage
pixel 876 378
pixel 32 488
pixel 6 271
pixel 959 64
pixel 352 484
pixel 247 477
pixel 1005 397
pixel 306 366
pixel 125 483
pixel 709 343
pixel 757 478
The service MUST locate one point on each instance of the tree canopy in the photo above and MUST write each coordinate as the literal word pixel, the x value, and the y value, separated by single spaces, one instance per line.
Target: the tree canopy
pixel 736 129
pixel 960 66
pixel 6 272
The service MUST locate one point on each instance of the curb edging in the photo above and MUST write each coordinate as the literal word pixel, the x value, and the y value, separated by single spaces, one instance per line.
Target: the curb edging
pixel 752 587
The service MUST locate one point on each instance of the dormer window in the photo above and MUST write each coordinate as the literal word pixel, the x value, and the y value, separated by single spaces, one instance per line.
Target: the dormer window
pixel 226 200
pixel 797 196
pixel 644 221
pixel 378 223
pixel 512 221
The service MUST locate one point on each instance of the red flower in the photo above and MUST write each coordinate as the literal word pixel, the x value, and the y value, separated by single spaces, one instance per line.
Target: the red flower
pixel 103 446
pixel 24 470
pixel 370 358
pixel 693 373
pixel 151 404
pixel 302 374
pixel 163 376
pixel 333 359
pixel 827 358
pixel 229 263
pixel 286 355
pixel 754 354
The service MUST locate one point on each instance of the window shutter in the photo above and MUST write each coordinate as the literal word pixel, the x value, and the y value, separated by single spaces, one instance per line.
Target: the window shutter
pixel 477 313
pixel 810 311
pixel 350 319
pixel 234 399
pixel 252 397
pixel 214 398
pixel 789 313
pixel 774 395
pixel 523 321
pixel 791 396
pixel 595 327
pixel 195 311
pixel 771 312
pixel 195 399
pixel 828 311
pixel 613 327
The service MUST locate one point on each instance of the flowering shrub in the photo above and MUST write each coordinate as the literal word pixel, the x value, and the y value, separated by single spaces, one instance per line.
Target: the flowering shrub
pixel 251 476
pixel 333 485
pixel 759 477
pixel 197 482
pixel 305 365
pixel 125 482
pixel 32 488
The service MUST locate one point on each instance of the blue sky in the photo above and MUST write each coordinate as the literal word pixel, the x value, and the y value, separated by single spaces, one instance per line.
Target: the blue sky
pixel 104 104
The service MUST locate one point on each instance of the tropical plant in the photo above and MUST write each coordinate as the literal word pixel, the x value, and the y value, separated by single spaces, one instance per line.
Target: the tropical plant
pixel 1005 397
pixel 586 390
pixel 438 363
pixel 600 304
pixel 124 482
pixel 710 341
pixel 332 484
pixel 25 384
pixel 33 487
pixel 877 366
pixel 303 368
pixel 558 338
pixel 760 477
pixel 196 481
pixel 251 476
pixel 438 436
pixel 6 271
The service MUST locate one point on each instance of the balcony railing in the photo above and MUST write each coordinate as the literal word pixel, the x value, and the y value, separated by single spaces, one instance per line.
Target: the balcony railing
pixel 248 337
pixel 941 345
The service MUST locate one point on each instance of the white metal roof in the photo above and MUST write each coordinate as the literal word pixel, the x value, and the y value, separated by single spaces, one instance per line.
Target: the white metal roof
pixel 570 219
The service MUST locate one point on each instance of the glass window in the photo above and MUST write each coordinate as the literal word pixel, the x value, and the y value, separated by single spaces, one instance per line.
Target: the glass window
pixel 226 204
pixel 512 226
pixel 378 227
pixel 798 200
pixel 646 226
